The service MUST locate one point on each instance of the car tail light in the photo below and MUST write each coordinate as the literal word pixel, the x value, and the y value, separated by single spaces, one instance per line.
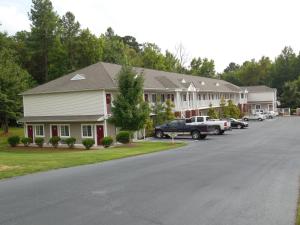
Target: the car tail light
pixel 225 124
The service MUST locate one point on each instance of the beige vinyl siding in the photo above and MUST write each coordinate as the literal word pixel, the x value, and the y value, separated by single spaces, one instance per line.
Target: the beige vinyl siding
pixel 63 104
pixel 262 96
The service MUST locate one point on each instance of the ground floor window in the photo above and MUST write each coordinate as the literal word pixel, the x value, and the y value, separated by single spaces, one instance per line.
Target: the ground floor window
pixel 257 106
pixel 87 131
pixel 65 130
pixel 39 130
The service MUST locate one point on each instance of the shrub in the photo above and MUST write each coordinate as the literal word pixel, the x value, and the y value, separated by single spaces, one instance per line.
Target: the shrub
pixel 70 142
pixel 26 141
pixel 107 141
pixel 39 141
pixel 88 143
pixel 13 141
pixel 54 141
pixel 123 137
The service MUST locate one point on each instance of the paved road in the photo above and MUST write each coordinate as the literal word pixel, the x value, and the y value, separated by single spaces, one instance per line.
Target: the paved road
pixel 242 178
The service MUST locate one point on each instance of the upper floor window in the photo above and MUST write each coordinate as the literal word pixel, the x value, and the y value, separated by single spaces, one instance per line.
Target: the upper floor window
pixel 162 98
pixel 242 95
pixel 199 96
pixel 39 131
pixel 184 97
pixel 146 97
pixel 204 96
pixel 153 97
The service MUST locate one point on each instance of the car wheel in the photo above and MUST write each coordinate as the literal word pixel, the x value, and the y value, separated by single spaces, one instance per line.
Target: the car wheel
pixel 246 119
pixel 202 136
pixel 195 135
pixel 239 126
pixel 159 134
pixel 260 119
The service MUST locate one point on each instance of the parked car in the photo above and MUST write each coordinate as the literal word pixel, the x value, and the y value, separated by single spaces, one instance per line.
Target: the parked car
pixel 256 116
pixel 180 127
pixel 239 124
pixel 220 125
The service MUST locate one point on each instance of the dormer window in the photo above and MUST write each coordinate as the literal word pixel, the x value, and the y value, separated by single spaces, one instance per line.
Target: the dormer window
pixel 78 77
pixel 183 81
pixel 217 84
pixel 202 83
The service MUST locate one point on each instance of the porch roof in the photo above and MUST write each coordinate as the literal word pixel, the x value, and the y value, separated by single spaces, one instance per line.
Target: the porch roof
pixel 80 118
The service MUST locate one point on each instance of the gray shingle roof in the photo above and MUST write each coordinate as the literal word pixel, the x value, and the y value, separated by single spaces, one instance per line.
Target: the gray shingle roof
pixel 103 76
pixel 259 88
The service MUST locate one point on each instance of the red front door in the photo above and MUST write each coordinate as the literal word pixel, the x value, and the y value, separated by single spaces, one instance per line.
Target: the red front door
pixel 30 131
pixel 54 131
pixel 100 134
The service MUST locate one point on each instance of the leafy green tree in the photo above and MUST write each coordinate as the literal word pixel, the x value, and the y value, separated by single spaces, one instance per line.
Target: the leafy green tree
pixel 212 112
pixel 202 67
pixel 291 94
pixel 231 67
pixel 169 110
pixel 224 112
pixel 159 111
pixel 43 27
pixel 152 57
pixel 130 111
pixel 13 80
pixel 233 110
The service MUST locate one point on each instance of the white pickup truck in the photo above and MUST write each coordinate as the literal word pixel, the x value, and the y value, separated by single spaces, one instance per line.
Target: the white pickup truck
pixel 220 125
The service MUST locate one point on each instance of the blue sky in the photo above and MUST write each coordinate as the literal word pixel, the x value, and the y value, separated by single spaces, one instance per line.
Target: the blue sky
pixel 231 30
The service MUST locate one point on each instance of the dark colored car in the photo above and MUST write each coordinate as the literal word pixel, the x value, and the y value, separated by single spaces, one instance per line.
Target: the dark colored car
pixel 238 124
pixel 180 127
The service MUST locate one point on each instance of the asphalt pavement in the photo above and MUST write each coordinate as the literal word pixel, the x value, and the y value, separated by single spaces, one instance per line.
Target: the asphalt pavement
pixel 245 177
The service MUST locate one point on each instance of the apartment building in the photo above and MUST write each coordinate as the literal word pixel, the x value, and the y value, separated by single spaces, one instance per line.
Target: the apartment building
pixel 79 104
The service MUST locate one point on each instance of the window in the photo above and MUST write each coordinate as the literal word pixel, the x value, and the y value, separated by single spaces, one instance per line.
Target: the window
pixel 39 131
pixel 257 106
pixel 162 98
pixel 87 131
pixel 184 97
pixel 212 96
pixel 242 95
pixel 172 97
pixel 65 130
pixel 153 97
pixel 199 119
pixel 146 97
pixel 199 96
pixel 204 96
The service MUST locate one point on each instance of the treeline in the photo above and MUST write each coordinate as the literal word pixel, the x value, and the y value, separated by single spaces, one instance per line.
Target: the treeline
pixel 58 45
pixel 283 73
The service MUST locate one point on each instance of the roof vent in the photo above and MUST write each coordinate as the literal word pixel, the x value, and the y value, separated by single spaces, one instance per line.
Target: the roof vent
pixel 183 81
pixel 78 77
pixel 202 83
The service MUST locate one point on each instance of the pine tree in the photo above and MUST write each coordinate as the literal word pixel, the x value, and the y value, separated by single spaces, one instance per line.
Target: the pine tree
pixel 130 111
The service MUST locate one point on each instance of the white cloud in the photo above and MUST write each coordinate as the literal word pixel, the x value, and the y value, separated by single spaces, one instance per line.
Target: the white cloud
pixel 13 20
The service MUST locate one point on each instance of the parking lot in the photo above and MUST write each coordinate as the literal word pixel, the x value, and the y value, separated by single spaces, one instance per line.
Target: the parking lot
pixel 248 176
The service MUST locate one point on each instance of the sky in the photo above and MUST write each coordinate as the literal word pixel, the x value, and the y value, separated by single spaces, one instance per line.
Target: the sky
pixel 223 30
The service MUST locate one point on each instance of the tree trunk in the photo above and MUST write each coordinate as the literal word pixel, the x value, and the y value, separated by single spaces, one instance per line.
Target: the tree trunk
pixel 4 123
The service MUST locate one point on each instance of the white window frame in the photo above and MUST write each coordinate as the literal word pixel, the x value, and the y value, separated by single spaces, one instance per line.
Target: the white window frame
pixel 258 105
pixel 68 125
pixel 35 134
pixel 92 130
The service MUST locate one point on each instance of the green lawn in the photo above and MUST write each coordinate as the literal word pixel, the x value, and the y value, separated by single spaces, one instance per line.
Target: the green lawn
pixel 20 161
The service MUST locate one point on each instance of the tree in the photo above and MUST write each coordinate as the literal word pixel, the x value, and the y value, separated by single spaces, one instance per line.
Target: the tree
pixel 205 67
pixel 233 110
pixel 151 57
pixel 43 27
pixel 169 110
pixel 13 80
pixel 70 30
pixel 223 109
pixel 130 111
pixel 159 111
pixel 291 94
pixel 231 67
pixel 212 113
